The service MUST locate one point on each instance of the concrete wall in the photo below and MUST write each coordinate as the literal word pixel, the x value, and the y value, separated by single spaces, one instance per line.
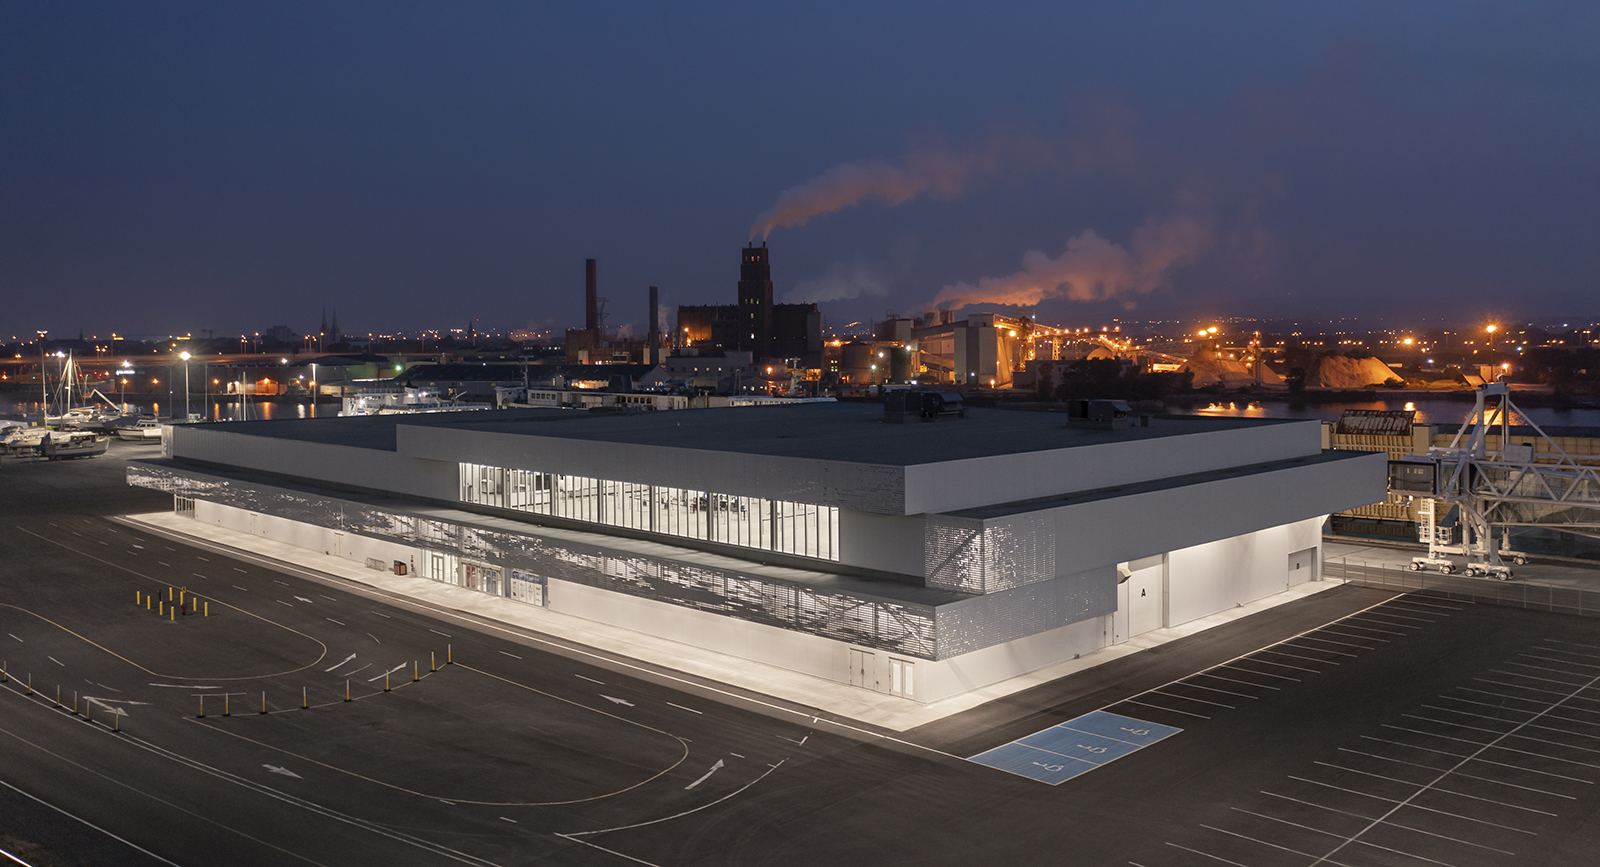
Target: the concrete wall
pixel 345 465
pixel 951 486
pixel 887 543
pixel 1208 578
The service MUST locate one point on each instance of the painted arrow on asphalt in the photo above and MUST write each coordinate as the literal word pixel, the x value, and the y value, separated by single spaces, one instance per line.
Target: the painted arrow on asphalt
pixel 305 600
pixel 617 700
pixel 714 768
pixel 285 771
pixel 346 659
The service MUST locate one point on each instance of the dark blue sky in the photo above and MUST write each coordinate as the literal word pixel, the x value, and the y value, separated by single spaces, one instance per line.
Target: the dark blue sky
pixel 190 166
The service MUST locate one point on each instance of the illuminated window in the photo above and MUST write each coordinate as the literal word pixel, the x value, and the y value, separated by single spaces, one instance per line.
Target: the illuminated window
pixel 801 529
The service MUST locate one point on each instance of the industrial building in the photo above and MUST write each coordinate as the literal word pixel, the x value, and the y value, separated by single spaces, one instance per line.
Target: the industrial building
pixel 923 559
pixel 756 324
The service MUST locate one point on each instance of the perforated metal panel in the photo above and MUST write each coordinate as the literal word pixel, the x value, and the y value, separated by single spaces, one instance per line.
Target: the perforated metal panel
pixel 899 627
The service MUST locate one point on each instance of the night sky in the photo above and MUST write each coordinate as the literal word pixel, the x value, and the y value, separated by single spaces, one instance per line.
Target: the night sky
pixel 169 167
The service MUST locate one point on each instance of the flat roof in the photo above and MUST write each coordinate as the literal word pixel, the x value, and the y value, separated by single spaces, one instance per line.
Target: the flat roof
pixel 847 432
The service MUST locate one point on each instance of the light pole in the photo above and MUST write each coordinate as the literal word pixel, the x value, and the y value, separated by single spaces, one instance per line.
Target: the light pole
pixel 44 390
pixel 185 357
pixel 1492 329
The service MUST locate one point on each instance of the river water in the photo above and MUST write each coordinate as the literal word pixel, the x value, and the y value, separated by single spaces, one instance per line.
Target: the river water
pixel 1438 411
pixel 213 408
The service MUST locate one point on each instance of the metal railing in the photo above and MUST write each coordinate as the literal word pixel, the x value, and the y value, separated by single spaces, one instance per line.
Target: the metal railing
pixel 1512 594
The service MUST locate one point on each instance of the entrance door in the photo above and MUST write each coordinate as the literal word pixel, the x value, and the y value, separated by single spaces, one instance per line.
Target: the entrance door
pixel 902 680
pixel 1302 566
pixel 1144 600
pixel 861 669
pixel 436 572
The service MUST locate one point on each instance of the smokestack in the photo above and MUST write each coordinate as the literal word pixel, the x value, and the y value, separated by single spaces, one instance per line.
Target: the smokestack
pixel 655 329
pixel 591 297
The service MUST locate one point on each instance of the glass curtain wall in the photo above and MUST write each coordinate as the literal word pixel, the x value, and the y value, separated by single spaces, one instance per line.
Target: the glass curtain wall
pixel 750 522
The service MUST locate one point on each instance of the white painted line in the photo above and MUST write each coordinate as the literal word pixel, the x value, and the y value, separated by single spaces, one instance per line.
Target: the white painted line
pixel 1262 842
pixel 340 662
pixel 1482 760
pixel 140 547
pixel 614 700
pixel 1348 635
pixel 590 679
pixel 691 710
pixel 327 597
pixel 240 571
pixel 1386 822
pixel 437 632
pixel 14 636
pixel 512 655
pixel 168 565
pixel 56 661
pixel 1205 854
pixel 1405 803
pixel 197 575
pixel 373 637
pixel 1187 698
pixel 331 620
pixel 1315 659
pixel 198 557
pixel 1167 709
pixel 1443 773
pixel 1534 677
pixel 1214 689
pixel 284 583
pixel 281 602
pixel 87 823
pixel 736 755
pixel 1340 643
pixel 714 768
pixel 504 819
pixel 384 616
pixel 770 768
pixel 1235 665
pixel 1562 661
pixel 182 686
pixel 1256 657
pixel 1237 680
pixel 1573 643
pixel 1445 722
pixel 386 673
pixel 237 587
pixel 305 600
pixel 1412 600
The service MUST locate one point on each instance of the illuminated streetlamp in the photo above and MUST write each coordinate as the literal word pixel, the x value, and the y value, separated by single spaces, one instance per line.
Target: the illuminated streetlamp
pixel 185 357
pixel 1491 329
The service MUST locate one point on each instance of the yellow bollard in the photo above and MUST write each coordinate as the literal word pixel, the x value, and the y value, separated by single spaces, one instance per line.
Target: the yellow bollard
pixel 225 710
pixel 386 683
pixel 116 722
pixel 433 661
pixel 202 707
pixel 58 695
pixel 303 703
pixel 208 608
pixel 172 613
pixel 169 594
pixel 162 610
pixel 147 603
pixel 449 658
pixel 347 690
pixel 136 598
pixel 181 592
pixel 74 701
pixel 414 669
pixel 263 701
pixel 30 683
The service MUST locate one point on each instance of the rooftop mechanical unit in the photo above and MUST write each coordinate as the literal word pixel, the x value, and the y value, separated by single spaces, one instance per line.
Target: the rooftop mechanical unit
pixel 904 406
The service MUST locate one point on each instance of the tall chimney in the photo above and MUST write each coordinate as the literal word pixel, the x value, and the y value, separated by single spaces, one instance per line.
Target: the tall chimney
pixel 655 329
pixel 591 298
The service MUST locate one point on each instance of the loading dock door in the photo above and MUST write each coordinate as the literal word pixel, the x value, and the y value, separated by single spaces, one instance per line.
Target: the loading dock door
pixel 1302 566
pixel 861 669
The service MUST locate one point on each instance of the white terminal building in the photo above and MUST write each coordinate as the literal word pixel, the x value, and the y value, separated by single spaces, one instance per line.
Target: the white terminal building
pixel 919 559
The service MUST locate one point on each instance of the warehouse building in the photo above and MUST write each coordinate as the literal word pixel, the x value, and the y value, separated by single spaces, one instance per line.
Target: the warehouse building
pixel 922 559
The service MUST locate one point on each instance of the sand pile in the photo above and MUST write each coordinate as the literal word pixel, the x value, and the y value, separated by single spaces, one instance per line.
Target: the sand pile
pixel 1336 371
pixel 1210 369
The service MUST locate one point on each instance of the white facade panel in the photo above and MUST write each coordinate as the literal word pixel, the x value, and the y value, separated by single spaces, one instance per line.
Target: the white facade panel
pixel 1208 578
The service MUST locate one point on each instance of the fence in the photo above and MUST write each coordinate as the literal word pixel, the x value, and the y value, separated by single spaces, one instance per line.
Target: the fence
pixel 1513 594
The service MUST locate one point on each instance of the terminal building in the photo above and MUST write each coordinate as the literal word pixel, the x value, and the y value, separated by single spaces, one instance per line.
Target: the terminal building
pixel 922 559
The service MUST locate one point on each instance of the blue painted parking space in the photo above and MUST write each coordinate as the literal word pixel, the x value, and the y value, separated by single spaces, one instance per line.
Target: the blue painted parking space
pixel 1077 746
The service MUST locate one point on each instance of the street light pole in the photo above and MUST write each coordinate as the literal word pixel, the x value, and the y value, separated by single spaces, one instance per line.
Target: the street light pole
pixel 185 357
pixel 44 390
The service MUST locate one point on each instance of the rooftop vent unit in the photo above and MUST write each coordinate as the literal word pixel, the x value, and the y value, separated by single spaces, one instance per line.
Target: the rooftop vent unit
pixel 904 406
pixel 1103 414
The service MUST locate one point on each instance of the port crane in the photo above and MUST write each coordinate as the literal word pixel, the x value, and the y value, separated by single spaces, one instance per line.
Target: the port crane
pixel 1531 484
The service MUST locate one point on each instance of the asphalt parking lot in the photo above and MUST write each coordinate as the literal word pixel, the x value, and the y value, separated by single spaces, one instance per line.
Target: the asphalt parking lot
pixel 1352 727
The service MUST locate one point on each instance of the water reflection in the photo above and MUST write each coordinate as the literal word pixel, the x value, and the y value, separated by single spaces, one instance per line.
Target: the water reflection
pixel 1447 414
pixel 214 408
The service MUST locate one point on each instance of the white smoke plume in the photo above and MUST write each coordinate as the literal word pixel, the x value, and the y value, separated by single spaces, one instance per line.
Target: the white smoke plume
pixel 842 280
pixel 936 173
pixel 1092 268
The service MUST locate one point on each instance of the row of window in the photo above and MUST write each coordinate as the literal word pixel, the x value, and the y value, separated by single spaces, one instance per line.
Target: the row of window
pixel 802 529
